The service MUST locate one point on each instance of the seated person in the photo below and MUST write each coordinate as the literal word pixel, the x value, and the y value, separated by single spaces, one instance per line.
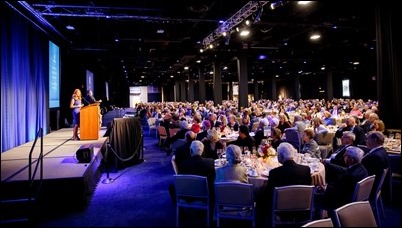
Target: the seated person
pixel 377 158
pixel 244 140
pixel 341 187
pixel 310 145
pixel 232 171
pixel 206 125
pixel 259 133
pixel 276 135
pixel 183 152
pixel 212 144
pixel 290 173
pixel 347 139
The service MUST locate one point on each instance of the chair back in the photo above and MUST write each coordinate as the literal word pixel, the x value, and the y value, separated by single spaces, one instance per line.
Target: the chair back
pixel 174 165
pixel 325 138
pixel 191 192
pixel 363 189
pixel 162 134
pixel 234 200
pixel 297 199
pixel 293 137
pixel 355 214
pixel 162 131
pixel 327 222
pixel 381 182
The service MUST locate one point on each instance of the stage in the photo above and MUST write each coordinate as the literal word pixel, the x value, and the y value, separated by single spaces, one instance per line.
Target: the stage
pixel 67 184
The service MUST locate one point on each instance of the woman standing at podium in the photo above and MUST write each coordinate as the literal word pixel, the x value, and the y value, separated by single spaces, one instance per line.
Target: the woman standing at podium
pixel 75 105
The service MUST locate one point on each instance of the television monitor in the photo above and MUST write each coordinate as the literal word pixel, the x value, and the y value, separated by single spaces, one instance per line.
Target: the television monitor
pixel 54 75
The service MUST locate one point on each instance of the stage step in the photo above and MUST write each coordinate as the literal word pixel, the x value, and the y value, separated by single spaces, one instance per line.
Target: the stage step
pixel 16 211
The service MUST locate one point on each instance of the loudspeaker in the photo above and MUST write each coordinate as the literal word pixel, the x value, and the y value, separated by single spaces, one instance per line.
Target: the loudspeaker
pixel 85 153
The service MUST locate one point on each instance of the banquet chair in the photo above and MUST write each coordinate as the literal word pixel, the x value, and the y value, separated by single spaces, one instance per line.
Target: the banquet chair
pixel 162 134
pixel 327 222
pixel 174 164
pixel 395 173
pixel 324 141
pixel 293 137
pixel 152 126
pixel 191 192
pixel 234 200
pixel 363 189
pixel 377 201
pixel 292 204
pixel 355 214
pixel 361 193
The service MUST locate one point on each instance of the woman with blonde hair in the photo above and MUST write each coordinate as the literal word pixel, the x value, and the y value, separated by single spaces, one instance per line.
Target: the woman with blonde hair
pixel 75 105
pixel 212 144
pixel 378 125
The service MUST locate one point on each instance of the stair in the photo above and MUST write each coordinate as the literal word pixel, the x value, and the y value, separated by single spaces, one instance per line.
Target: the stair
pixel 17 207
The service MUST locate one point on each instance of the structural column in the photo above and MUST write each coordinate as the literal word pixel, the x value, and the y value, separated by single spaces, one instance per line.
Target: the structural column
pixel 190 92
pixel 176 91
pixel 201 85
pixel 274 95
pixel 243 80
pixel 230 85
pixel 256 92
pixel 330 89
pixel 296 87
pixel 183 89
pixel 217 82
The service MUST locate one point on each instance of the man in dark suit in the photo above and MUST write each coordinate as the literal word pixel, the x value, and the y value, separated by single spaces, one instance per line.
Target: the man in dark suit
pixel 347 139
pixel 351 125
pixel 183 152
pixel 377 158
pixel 290 173
pixel 339 191
pixel 206 125
pixel 197 165
pixel 244 140
pixel 213 118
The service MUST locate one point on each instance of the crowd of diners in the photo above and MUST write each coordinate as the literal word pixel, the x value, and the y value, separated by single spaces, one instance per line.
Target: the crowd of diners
pixel 279 115
pixel 359 125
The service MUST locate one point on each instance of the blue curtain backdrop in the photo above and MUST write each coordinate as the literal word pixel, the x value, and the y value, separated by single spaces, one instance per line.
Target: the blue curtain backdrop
pixel 24 80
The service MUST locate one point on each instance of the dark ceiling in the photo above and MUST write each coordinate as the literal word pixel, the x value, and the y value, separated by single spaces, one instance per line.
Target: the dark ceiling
pixel 156 39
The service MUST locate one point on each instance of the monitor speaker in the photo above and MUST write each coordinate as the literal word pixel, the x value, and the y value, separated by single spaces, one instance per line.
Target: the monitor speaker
pixel 85 153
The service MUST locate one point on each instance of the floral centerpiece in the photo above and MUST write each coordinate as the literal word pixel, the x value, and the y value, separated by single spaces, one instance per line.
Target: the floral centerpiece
pixel 265 150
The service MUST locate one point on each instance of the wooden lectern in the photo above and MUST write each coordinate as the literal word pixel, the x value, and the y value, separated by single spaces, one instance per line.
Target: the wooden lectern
pixel 89 122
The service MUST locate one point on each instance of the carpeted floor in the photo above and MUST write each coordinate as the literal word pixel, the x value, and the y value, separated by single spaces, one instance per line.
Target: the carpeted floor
pixel 138 197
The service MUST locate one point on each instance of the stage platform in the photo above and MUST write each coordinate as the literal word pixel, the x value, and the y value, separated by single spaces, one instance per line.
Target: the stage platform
pixel 66 182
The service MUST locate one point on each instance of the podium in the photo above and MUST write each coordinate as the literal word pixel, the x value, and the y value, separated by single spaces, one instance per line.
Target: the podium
pixel 89 122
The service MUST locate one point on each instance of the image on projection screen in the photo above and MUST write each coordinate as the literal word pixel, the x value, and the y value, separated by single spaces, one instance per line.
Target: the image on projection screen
pixel 345 88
